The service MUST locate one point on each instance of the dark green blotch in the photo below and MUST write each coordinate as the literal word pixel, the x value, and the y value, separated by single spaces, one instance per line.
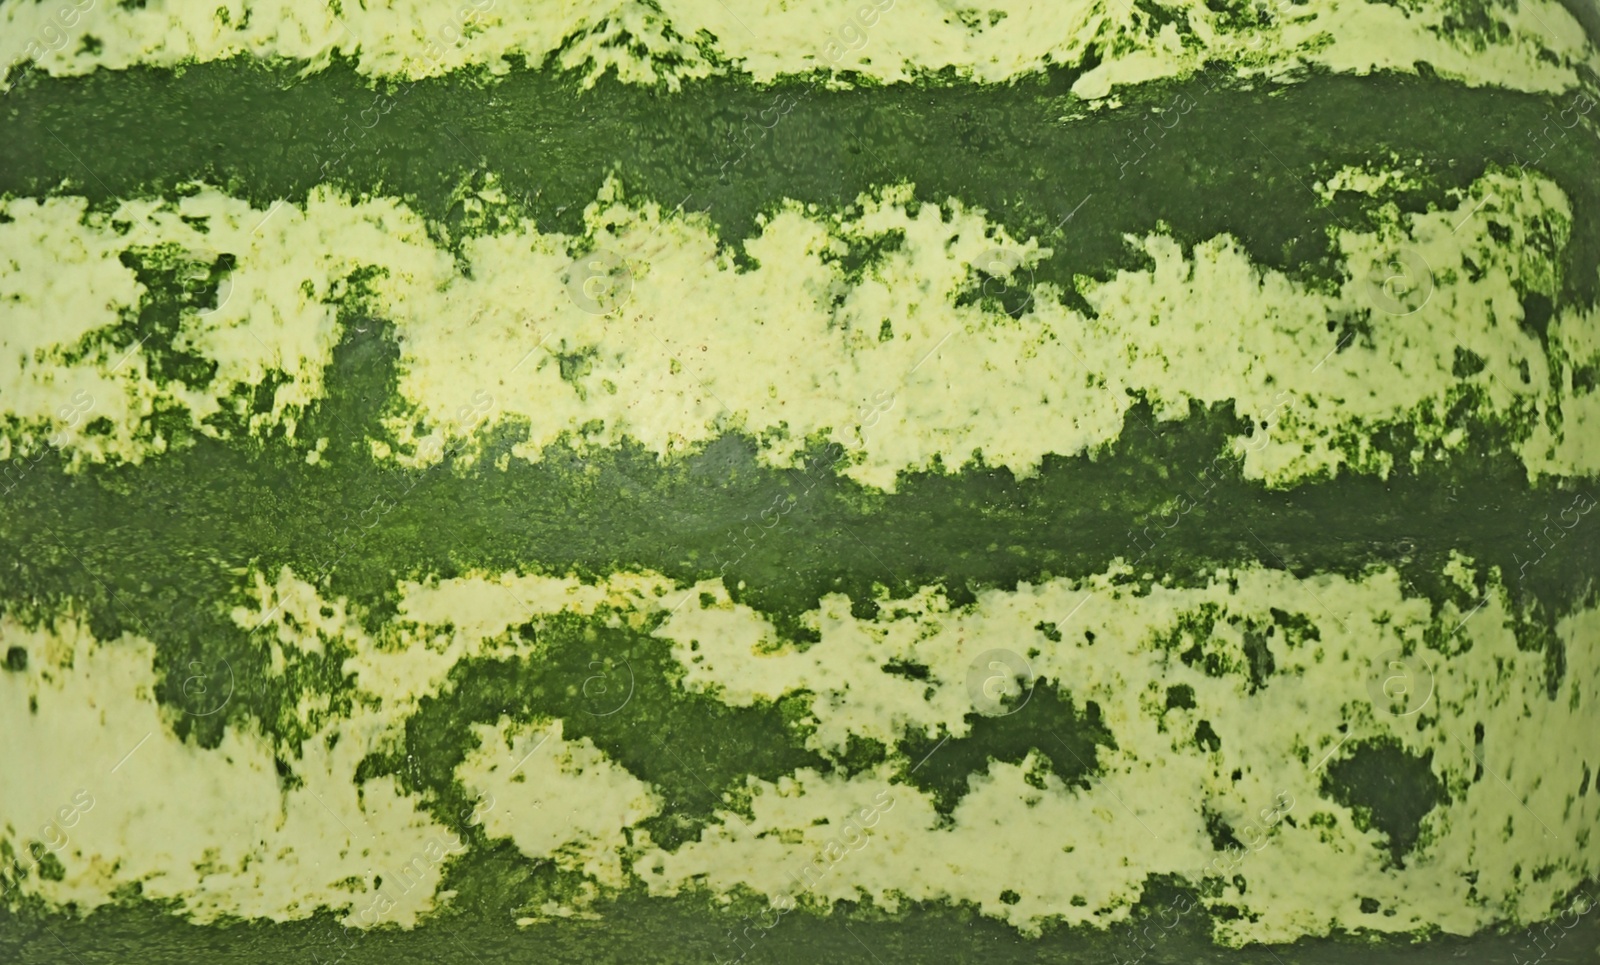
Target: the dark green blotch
pixel 1475 22
pixel 906 668
pixel 1213 664
pixel 174 283
pixel 1297 627
pixel 1467 363
pixel 861 754
pixel 1180 695
pixel 1000 286
pixel 50 866
pixel 864 253
pixel 575 365
pixel 1159 17
pixel 618 687
pixel 1219 831
pixel 1194 628
pixel 1537 311
pixel 1047 723
pixel 1206 737
pixel 493 879
pixel 1388 789
pixel 16 658
pixel 1258 653
pixel 1352 329
pixel 1585 377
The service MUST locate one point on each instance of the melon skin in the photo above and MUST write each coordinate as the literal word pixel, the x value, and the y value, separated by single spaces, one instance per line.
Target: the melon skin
pixel 446 635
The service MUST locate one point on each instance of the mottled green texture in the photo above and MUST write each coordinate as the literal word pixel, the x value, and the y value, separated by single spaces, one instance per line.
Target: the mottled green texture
pixel 1389 790
pixel 676 930
pixel 187 519
pixel 1048 725
pixel 162 549
pixel 1238 161
pixel 693 748
pixel 157 549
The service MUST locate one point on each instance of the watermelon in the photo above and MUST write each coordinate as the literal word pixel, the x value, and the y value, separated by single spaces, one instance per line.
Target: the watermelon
pixel 662 481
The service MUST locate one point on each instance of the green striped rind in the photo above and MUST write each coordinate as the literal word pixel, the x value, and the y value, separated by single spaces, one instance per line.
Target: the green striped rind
pixel 1530 45
pixel 632 667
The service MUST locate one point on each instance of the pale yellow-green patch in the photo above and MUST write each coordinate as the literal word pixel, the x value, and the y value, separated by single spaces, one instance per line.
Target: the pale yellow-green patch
pixel 215 830
pixel 237 843
pixel 60 271
pixel 1573 444
pixel 439 623
pixel 1461 571
pixel 1370 178
pixel 59 282
pixel 690 347
pixel 642 330
pixel 555 798
pixel 885 41
pixel 1144 816
pixel 1423 302
pixel 211 829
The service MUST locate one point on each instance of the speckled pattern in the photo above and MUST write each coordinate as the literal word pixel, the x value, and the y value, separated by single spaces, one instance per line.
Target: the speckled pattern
pixel 799 482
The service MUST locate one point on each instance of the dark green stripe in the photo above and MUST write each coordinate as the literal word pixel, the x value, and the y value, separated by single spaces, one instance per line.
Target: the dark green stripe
pixel 674 931
pixel 151 546
pixel 1238 162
